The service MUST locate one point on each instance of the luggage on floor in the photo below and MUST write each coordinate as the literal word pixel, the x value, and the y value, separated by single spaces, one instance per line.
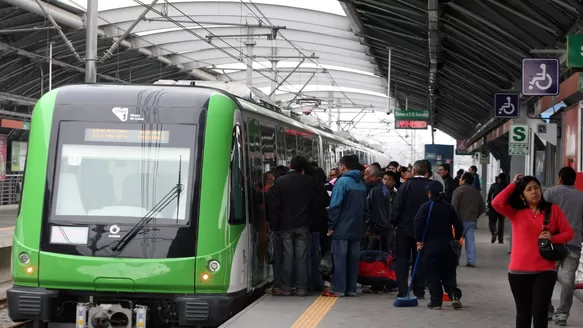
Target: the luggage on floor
pixel 377 268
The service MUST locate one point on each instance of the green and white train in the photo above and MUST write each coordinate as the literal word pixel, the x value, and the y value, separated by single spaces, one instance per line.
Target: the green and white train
pixel 143 206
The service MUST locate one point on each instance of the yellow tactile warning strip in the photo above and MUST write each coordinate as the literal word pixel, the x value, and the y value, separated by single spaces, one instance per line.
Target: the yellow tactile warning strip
pixel 8 228
pixel 314 314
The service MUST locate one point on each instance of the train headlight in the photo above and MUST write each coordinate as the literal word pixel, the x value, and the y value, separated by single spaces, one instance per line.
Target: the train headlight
pixel 214 265
pixel 24 258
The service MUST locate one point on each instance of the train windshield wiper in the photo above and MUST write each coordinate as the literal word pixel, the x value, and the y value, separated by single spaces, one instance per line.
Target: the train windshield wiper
pixel 173 194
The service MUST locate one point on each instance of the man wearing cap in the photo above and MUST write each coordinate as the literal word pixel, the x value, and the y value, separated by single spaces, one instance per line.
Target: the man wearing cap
pixel 410 196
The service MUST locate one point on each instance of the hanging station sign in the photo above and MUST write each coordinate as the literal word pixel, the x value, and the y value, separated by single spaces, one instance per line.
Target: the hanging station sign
pixel 411 119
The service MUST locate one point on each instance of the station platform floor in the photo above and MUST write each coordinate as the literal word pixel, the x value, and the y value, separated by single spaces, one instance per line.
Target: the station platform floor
pixel 487 302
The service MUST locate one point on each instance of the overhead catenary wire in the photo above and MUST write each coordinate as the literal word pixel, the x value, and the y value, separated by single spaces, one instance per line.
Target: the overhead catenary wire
pixel 184 28
pixel 316 62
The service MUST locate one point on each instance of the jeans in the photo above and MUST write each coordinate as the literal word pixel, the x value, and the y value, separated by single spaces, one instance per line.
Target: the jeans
pixel 532 295
pixel 470 241
pixel 295 253
pixel 566 276
pixel 407 250
pixel 315 281
pixel 345 254
pixel 440 267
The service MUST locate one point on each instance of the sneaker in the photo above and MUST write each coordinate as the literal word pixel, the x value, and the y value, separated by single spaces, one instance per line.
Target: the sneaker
pixel 350 294
pixel 434 307
pixel 494 237
pixel 470 265
pixel 456 303
pixel 330 293
pixel 561 322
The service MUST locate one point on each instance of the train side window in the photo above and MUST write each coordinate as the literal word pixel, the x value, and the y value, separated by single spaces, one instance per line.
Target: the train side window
pixel 291 148
pixel 316 149
pixel 268 147
pixel 307 153
pixel 237 204
pixel 280 143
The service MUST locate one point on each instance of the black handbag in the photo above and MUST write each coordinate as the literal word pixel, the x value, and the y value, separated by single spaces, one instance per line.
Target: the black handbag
pixel 548 250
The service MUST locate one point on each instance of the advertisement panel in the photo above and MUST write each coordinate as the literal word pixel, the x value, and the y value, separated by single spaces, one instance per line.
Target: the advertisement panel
pixel 3 148
pixel 439 154
pixel 18 156
pixel 571 127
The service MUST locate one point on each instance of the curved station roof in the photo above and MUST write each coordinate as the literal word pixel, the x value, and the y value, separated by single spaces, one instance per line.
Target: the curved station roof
pixel 447 57
pixel 310 57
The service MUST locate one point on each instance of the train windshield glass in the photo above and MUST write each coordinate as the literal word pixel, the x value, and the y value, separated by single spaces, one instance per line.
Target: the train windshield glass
pixel 114 173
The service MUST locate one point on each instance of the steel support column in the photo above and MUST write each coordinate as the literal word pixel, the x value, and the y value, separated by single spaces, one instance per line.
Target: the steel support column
pixel 249 43
pixel 91 42
pixel 389 81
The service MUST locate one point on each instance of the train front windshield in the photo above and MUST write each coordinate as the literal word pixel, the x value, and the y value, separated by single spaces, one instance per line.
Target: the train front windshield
pixel 113 173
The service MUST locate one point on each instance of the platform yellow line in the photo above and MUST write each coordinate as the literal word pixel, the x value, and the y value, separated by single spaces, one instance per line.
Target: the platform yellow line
pixel 315 313
pixel 8 228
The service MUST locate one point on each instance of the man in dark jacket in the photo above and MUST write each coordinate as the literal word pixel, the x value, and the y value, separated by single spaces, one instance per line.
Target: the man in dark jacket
pixel 495 219
pixel 410 196
pixel 346 226
pixel 376 215
pixel 277 266
pixel 290 212
pixel 450 183
pixel 376 207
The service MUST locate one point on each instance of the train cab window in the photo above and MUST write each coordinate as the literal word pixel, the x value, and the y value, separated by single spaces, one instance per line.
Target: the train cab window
pixel 237 203
pixel 107 174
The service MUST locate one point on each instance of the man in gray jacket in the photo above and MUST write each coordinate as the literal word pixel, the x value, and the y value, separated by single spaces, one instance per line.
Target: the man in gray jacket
pixel 469 204
pixel 570 200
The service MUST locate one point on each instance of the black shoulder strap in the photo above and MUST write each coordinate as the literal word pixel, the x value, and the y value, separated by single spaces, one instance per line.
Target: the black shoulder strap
pixel 547 219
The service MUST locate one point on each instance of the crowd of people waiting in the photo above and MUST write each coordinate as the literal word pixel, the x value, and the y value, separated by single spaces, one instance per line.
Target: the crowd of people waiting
pixel 391 209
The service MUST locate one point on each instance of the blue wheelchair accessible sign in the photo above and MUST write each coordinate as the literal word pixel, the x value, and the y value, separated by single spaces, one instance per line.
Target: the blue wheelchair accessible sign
pixel 506 105
pixel 540 77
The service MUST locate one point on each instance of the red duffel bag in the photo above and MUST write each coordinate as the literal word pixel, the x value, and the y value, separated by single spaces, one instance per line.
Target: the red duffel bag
pixel 376 267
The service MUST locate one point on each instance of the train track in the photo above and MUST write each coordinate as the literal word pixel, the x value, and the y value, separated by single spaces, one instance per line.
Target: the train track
pixel 3 305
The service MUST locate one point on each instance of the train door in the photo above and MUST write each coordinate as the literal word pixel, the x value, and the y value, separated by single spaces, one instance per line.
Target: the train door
pixel 239 211
pixel 257 236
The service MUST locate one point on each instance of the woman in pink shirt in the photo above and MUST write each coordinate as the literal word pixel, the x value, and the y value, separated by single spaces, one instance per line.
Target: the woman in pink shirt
pixel 532 277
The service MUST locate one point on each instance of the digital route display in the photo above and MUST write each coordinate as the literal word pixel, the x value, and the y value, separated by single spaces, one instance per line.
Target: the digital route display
pixel 410 124
pixel 129 136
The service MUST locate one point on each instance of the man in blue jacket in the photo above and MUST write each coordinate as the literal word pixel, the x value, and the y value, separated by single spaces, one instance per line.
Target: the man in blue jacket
pixel 346 226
